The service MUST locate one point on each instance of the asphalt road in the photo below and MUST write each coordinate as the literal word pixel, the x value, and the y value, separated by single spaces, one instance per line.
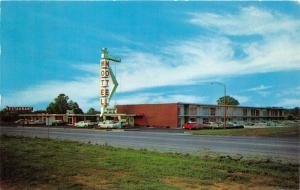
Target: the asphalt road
pixel 285 149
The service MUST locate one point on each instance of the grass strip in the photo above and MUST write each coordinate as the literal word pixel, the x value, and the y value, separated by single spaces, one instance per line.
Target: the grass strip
pixel 33 163
pixel 271 132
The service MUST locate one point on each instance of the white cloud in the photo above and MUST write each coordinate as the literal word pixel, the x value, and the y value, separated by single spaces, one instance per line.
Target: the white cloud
pixel 241 99
pixel 290 102
pixel 295 91
pixel 88 67
pixel 80 90
pixel 188 61
pixel 259 88
pixel 199 59
pixel 248 21
pixel 159 98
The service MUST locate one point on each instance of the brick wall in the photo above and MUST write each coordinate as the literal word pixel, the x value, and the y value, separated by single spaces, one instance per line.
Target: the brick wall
pixel 153 115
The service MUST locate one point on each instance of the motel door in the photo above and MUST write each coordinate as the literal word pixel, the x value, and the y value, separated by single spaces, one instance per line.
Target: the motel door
pixel 70 120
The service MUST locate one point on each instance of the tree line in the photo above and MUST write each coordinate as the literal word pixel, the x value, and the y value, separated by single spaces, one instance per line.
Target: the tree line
pixel 62 104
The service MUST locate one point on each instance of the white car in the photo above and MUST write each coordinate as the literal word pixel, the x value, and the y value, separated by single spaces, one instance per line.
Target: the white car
pixel 214 124
pixel 38 122
pixel 109 124
pixel 238 124
pixel 20 121
pixel 83 123
pixel 57 122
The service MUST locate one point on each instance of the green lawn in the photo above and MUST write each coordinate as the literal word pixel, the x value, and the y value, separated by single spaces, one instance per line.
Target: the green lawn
pixel 279 131
pixel 33 163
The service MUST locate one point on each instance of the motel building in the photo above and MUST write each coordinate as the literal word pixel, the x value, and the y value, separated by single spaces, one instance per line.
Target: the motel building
pixel 169 115
pixel 174 115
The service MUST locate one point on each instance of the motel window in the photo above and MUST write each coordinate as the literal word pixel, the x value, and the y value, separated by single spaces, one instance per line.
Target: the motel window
pixel 213 111
pixel 186 110
pixel 193 110
pixel 265 113
pixel 180 110
pixel 245 112
pixel 179 122
pixel 252 112
pixel 256 112
pixel 204 111
pixel 280 113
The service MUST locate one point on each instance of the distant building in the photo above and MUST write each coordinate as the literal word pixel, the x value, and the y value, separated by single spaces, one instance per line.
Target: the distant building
pixel 71 119
pixel 18 109
pixel 174 115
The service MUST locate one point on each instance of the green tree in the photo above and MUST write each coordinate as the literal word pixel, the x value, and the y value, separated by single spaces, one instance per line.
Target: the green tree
pixel 294 113
pixel 229 101
pixel 51 108
pixel 59 105
pixel 75 107
pixel 9 116
pixel 40 111
pixel 92 111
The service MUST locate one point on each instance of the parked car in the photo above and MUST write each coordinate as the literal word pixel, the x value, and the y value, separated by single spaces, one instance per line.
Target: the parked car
pixel 109 124
pixel 38 122
pixel 20 121
pixel 238 125
pixel 215 124
pixel 83 124
pixel 194 125
pixel 57 122
pixel 31 122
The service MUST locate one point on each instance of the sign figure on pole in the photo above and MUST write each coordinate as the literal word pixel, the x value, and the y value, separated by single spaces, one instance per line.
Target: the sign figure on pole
pixel 106 77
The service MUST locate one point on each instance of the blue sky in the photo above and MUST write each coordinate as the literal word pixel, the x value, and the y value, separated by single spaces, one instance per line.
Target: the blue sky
pixel 170 51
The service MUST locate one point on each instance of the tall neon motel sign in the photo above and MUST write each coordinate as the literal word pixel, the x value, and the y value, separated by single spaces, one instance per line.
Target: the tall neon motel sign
pixel 107 77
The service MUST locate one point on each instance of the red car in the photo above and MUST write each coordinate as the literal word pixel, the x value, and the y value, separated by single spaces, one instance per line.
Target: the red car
pixel 192 125
pixel 195 125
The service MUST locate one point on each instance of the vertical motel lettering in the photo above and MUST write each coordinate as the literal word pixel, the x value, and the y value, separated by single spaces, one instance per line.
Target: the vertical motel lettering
pixel 104 86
